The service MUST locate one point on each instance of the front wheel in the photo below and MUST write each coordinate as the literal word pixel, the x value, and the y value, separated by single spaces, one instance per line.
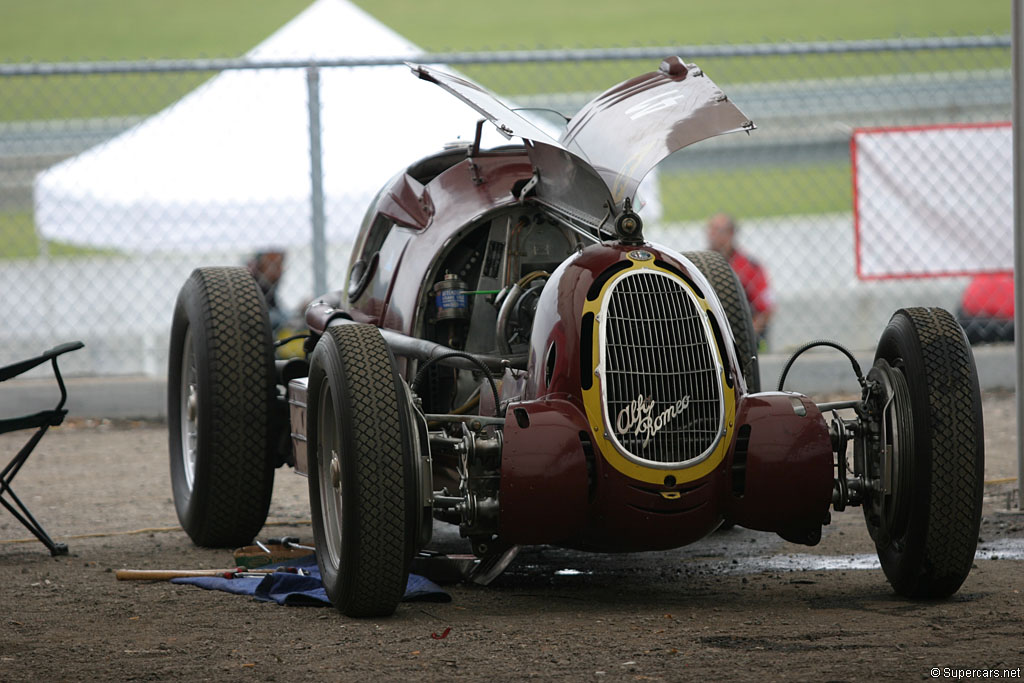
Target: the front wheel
pixel 362 472
pixel 923 509
pixel 733 298
pixel 220 402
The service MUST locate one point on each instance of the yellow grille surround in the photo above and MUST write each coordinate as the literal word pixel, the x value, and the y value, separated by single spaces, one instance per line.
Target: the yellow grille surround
pixel 652 334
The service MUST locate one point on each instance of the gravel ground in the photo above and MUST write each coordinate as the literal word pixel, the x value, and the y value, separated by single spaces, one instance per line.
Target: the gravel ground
pixel 740 604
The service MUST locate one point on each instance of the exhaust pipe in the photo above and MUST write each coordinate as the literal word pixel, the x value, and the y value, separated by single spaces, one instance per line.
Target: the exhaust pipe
pixel 320 315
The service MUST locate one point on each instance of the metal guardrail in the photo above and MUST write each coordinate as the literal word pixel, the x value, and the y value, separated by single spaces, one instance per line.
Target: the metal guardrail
pixel 32 138
pixel 782 110
pixel 519 56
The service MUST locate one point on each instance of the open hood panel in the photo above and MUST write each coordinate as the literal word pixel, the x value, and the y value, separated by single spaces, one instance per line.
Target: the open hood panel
pixel 628 129
pixel 615 140
pixel 566 180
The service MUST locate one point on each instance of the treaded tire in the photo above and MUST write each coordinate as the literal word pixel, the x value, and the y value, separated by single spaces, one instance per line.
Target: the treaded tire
pixel 737 309
pixel 927 549
pixel 362 479
pixel 220 397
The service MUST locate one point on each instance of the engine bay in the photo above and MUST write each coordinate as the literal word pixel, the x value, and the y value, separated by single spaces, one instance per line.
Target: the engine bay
pixel 483 295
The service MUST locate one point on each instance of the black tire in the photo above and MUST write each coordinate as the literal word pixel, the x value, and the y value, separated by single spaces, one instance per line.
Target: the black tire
pixel 362 477
pixel 220 397
pixel 926 529
pixel 729 291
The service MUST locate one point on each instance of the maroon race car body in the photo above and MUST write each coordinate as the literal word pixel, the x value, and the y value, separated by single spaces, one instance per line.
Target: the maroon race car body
pixel 510 355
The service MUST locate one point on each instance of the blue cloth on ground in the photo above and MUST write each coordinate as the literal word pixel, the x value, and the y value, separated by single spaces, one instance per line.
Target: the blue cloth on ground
pixel 286 588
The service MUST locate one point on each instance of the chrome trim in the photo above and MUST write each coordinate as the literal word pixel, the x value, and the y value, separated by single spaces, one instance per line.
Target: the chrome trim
pixel 659 371
pixel 188 395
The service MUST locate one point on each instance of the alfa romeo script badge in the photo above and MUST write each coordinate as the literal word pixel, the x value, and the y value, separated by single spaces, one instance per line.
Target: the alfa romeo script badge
pixel 641 418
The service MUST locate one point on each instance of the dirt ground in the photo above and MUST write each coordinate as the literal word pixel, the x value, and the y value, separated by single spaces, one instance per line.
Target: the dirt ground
pixel 739 605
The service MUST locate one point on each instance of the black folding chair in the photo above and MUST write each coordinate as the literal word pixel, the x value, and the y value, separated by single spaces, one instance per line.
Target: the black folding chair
pixel 41 422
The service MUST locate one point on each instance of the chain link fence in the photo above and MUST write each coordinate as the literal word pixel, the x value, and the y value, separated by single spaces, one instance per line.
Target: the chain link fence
pixel 117 179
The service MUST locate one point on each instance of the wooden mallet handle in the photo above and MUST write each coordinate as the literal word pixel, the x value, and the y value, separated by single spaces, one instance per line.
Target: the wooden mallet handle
pixel 167 574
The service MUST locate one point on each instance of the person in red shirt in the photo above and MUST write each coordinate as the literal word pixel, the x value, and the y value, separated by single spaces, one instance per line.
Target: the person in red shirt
pixel 986 308
pixel 753 277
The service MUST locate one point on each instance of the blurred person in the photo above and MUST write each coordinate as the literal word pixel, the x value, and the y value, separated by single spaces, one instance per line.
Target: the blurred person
pixel 266 268
pixel 752 275
pixel 986 308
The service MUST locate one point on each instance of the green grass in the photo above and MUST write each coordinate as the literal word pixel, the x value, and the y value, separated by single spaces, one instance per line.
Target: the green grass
pixel 18 239
pixel 71 30
pixel 560 77
pixel 59 30
pixel 442 25
pixel 475 25
pixel 757 191
pixel 91 30
pixel 55 98
pixel 17 235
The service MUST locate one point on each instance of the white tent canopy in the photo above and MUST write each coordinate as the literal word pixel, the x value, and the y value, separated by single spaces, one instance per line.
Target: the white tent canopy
pixel 228 166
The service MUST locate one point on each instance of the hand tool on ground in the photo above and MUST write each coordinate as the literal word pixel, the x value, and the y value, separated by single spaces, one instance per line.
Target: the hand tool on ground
pixel 166 574
pixel 290 542
pixel 271 551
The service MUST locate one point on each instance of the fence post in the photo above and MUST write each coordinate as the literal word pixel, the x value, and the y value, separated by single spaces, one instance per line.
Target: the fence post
pixel 319 242
pixel 1018 230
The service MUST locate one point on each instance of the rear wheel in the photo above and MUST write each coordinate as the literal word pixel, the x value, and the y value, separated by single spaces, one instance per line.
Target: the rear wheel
pixel 729 291
pixel 362 475
pixel 924 510
pixel 220 398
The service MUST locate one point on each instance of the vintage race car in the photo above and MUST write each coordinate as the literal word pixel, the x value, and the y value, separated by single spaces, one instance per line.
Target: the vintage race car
pixel 511 356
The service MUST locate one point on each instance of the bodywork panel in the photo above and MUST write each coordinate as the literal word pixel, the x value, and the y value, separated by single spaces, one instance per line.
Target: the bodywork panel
pixel 628 129
pixel 566 181
pixel 616 139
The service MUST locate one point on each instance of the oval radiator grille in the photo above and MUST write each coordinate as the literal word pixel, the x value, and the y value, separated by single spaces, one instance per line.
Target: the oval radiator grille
pixel 660 378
